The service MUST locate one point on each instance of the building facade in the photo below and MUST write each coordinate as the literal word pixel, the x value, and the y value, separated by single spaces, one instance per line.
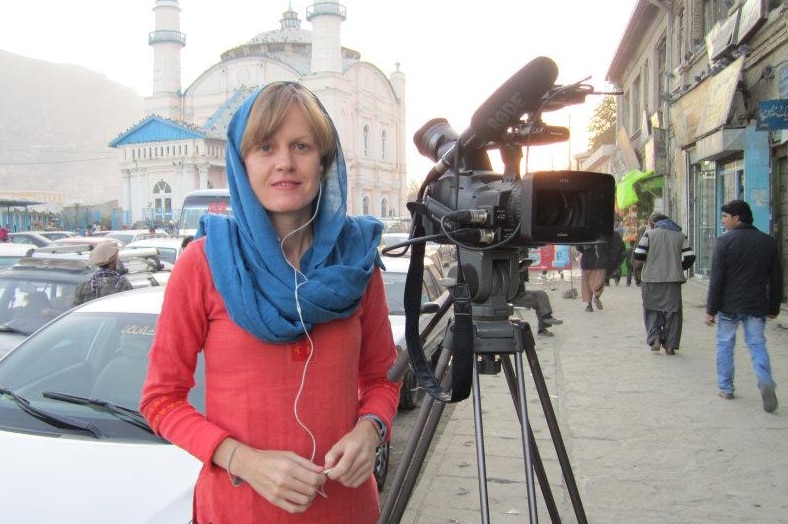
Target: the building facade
pixel 180 145
pixel 705 108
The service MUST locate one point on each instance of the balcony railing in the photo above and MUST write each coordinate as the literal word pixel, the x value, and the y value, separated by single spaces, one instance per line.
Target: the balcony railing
pixel 166 35
pixel 325 8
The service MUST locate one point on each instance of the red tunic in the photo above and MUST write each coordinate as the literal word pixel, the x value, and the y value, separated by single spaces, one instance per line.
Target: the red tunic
pixel 251 388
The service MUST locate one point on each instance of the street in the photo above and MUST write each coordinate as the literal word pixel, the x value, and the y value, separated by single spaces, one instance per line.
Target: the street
pixel 649 440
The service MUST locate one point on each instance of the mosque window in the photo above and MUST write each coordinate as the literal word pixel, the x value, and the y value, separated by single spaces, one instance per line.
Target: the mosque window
pixel 162 200
pixel 384 204
pixel 365 206
pixel 365 137
pixel 383 144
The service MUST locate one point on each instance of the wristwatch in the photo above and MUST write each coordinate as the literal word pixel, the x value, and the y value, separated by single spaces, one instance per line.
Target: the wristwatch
pixel 383 430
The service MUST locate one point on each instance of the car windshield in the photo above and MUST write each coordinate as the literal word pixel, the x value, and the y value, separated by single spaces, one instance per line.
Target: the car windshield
pixel 8 261
pixel 123 237
pixel 89 355
pixel 26 304
pixel 395 289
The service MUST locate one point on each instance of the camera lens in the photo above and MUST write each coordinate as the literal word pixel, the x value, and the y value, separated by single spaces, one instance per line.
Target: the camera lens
pixel 556 208
pixel 435 138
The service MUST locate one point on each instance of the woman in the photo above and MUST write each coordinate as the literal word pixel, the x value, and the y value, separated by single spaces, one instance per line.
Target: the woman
pixel 287 302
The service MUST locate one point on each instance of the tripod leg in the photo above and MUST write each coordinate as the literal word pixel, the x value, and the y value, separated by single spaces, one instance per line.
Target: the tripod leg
pixel 415 451
pixel 481 462
pixel 525 427
pixel 541 474
pixel 526 441
pixel 552 424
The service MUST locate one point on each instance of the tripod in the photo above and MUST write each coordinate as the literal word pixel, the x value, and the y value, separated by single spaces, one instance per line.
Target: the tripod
pixel 495 342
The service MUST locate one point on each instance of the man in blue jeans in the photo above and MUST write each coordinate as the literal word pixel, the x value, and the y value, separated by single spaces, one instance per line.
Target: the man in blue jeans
pixel 745 287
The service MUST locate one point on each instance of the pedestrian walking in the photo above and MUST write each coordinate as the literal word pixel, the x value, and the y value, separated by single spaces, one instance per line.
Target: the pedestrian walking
pixel 664 254
pixel 596 261
pixel 617 254
pixel 745 288
pixel 629 261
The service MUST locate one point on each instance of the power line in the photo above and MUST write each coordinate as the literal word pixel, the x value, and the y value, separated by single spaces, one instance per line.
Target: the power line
pixel 56 162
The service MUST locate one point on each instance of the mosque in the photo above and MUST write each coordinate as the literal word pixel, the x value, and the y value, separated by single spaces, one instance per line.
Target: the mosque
pixel 179 146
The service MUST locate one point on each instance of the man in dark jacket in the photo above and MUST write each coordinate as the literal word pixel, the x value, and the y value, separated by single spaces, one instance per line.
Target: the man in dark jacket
pixel 745 287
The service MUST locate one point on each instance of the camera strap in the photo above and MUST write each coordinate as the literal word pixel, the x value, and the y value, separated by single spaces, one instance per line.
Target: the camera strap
pixel 461 331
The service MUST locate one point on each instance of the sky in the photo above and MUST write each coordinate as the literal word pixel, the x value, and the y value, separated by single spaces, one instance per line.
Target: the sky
pixel 454 54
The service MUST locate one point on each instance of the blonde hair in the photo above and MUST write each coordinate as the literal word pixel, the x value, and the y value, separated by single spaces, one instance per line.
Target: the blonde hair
pixel 269 110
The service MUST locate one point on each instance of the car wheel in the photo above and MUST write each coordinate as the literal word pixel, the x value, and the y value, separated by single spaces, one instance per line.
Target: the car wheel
pixel 410 393
pixel 382 464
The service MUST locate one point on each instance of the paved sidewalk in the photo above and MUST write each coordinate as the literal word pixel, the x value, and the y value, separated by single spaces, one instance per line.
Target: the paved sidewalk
pixel 648 438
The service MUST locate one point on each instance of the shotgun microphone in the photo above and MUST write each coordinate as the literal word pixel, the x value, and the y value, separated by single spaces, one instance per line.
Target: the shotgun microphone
pixel 521 93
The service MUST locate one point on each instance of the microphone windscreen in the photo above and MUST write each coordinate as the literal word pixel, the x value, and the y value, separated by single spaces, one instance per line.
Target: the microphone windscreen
pixel 521 94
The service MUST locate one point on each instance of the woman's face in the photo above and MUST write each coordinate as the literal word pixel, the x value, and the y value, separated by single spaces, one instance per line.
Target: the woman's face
pixel 284 171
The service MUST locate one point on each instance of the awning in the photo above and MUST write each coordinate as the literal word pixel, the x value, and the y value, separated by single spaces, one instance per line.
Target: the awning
pixel 626 195
pixel 707 106
pixel 632 186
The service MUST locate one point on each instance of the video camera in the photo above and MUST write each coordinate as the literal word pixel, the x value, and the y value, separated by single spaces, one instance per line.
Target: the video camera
pixel 491 217
pixel 465 203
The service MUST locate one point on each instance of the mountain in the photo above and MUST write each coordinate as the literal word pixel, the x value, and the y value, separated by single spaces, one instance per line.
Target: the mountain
pixel 55 123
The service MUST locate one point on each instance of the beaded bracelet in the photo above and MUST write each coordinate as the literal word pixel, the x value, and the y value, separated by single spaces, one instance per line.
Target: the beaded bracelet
pixel 380 426
pixel 234 480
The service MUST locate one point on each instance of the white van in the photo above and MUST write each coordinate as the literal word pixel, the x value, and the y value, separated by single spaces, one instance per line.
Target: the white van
pixel 199 202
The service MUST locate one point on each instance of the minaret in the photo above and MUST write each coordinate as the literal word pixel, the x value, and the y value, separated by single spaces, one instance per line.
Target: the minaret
pixel 290 19
pixel 167 42
pixel 326 18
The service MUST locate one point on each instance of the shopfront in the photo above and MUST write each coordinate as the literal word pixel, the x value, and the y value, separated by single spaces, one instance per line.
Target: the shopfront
pixel 729 164
pixel 713 183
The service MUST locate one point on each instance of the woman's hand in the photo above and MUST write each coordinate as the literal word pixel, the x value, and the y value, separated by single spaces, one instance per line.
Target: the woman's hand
pixel 351 461
pixel 283 478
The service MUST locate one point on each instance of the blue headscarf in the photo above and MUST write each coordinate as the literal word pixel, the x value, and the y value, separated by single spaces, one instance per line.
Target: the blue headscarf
pixel 667 223
pixel 251 272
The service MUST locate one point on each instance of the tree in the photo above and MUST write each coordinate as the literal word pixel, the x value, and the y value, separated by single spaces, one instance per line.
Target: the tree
pixel 602 127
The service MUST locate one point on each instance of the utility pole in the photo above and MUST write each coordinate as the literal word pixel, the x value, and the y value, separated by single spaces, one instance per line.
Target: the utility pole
pixel 667 6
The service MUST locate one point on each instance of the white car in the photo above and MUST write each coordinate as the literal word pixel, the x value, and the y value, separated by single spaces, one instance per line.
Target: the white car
pixel 73 441
pixel 11 252
pixel 56 235
pixel 29 237
pixel 434 316
pixel 170 248
pixel 130 235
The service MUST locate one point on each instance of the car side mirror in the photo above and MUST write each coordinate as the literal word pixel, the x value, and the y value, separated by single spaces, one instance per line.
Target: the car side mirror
pixel 429 307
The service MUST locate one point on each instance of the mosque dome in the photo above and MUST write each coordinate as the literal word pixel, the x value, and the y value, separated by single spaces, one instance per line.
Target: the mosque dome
pixel 289 41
